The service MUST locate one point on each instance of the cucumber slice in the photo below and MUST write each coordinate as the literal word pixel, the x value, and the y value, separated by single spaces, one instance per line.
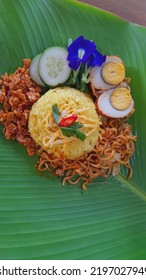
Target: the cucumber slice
pixel 53 66
pixel 34 70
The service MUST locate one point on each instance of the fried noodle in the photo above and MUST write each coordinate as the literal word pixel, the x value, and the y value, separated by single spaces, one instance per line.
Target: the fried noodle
pixel 113 149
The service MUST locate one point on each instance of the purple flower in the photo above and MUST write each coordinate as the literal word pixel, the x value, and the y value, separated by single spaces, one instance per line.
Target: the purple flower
pixel 79 52
pixel 96 59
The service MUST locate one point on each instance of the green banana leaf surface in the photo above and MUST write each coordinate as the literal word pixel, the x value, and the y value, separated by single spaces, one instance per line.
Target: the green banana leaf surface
pixel 40 219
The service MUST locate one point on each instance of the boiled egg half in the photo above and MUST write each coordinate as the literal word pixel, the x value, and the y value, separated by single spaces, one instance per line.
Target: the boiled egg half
pixel 115 103
pixel 109 75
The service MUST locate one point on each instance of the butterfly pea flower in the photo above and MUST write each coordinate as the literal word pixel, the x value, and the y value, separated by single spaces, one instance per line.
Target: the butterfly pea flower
pixel 79 51
pixel 96 59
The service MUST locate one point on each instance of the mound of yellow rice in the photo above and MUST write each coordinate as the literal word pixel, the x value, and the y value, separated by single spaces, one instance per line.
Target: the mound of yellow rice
pixel 47 134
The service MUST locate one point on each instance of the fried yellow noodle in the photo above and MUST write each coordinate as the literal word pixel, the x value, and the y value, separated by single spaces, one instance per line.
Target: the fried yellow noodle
pixel 114 148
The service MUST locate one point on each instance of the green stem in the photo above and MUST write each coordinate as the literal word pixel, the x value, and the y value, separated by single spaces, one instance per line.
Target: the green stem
pixel 85 75
pixel 75 74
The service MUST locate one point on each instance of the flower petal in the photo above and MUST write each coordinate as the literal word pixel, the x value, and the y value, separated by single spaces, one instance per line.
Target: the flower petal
pixel 89 48
pixel 96 59
pixel 72 55
pixel 80 50
pixel 74 64
pixel 73 49
pixel 75 45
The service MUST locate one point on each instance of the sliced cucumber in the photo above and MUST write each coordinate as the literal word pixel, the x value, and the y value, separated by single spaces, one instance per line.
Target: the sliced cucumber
pixel 34 71
pixel 53 66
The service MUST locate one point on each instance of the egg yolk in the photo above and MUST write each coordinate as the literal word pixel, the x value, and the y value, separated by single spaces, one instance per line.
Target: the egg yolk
pixel 113 73
pixel 120 99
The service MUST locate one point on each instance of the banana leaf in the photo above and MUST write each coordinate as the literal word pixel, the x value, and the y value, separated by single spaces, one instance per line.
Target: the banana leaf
pixel 40 219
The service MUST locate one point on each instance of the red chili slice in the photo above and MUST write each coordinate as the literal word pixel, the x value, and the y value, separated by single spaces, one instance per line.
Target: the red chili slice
pixel 65 122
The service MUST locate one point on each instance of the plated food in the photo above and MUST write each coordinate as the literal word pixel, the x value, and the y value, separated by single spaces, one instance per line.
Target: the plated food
pixel 78 127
